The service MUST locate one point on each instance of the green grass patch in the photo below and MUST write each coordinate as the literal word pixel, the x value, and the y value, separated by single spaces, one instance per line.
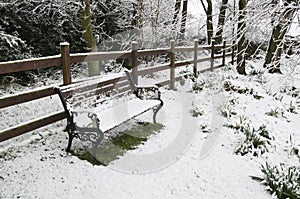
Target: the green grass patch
pixel 111 149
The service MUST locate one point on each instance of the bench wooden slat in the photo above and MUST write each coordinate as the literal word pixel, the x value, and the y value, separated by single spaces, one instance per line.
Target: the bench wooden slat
pixel 117 114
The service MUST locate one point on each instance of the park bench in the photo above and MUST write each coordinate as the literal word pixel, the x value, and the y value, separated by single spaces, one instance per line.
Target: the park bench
pixel 97 105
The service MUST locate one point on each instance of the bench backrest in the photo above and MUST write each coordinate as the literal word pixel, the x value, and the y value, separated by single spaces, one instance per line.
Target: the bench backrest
pixel 92 91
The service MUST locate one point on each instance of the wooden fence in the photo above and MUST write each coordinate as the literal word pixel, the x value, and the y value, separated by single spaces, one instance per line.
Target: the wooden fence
pixel 65 59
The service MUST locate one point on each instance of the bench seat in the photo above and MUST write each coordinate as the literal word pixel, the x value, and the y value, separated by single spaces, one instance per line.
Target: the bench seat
pixel 116 114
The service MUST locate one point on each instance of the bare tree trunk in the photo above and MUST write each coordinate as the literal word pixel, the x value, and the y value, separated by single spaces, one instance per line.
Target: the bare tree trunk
pixel 209 22
pixel 272 59
pixel 155 14
pixel 221 21
pixel 241 63
pixel 176 13
pixel 184 18
pixel 89 38
pixel 137 20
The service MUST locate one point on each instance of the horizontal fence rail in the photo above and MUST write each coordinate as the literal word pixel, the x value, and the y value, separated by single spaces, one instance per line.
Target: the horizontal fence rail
pixel 32 125
pixel 115 83
pixel 29 64
pixel 25 97
pixel 96 56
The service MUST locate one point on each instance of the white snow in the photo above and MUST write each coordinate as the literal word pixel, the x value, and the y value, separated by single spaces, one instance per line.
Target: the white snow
pixel 191 157
pixel 113 114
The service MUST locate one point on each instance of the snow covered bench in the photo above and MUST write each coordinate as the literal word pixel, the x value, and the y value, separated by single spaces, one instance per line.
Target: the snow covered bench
pixel 92 109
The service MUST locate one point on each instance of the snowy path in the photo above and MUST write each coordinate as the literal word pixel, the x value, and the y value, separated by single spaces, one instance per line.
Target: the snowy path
pixel 43 170
pixel 192 157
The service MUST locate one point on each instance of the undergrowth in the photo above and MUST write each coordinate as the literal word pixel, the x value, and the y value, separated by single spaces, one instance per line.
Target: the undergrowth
pixel 281 181
pixel 277 112
pixel 256 141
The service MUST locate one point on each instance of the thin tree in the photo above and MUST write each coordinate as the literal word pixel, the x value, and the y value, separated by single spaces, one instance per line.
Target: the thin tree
pixel 176 13
pixel 183 18
pixel 221 22
pixel 241 62
pixel 272 59
pixel 209 20
pixel 89 37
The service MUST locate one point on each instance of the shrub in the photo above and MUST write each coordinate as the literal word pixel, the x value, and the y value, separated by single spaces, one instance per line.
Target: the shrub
pixel 294 147
pixel 276 113
pixel 196 112
pixel 282 182
pixel 198 85
pixel 227 110
pixel 256 142
pixel 292 108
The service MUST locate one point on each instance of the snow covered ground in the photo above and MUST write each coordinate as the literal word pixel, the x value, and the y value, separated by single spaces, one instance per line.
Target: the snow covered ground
pixel 193 156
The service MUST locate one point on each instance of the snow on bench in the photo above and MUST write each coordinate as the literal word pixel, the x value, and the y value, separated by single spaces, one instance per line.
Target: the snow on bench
pixel 112 117
pixel 90 112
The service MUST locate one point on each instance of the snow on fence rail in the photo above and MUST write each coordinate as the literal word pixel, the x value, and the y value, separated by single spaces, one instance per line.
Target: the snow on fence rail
pixel 65 59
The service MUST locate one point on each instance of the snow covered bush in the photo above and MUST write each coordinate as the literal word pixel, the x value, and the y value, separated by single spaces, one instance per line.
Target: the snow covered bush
pixel 277 112
pixel 281 181
pixel 12 47
pixel 290 90
pixel 200 83
pixel 198 86
pixel 257 141
pixel 196 110
pixel 227 110
pixel 294 148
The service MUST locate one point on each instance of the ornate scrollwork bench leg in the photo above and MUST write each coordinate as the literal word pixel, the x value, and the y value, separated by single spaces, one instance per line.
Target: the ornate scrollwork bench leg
pixel 91 134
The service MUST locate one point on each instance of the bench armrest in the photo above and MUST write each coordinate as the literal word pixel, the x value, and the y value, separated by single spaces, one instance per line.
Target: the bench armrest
pixel 144 92
pixel 148 93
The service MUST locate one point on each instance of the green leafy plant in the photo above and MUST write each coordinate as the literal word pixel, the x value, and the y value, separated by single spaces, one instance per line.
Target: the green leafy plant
pixel 196 112
pixel 281 181
pixel 255 72
pixel 277 96
pixel 290 90
pixel 228 109
pixel 230 87
pixel 295 149
pixel 277 112
pixel 292 108
pixel 238 126
pixel 187 75
pixel 9 154
pixel 198 85
pixel 256 141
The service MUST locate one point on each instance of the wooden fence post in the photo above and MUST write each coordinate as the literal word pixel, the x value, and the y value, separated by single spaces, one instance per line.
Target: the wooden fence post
pixel 196 45
pixel 134 61
pixel 224 53
pixel 172 65
pixel 232 52
pixel 66 62
pixel 212 55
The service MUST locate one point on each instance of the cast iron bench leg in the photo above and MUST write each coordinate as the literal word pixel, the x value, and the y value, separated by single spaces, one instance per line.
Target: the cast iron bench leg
pixel 156 109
